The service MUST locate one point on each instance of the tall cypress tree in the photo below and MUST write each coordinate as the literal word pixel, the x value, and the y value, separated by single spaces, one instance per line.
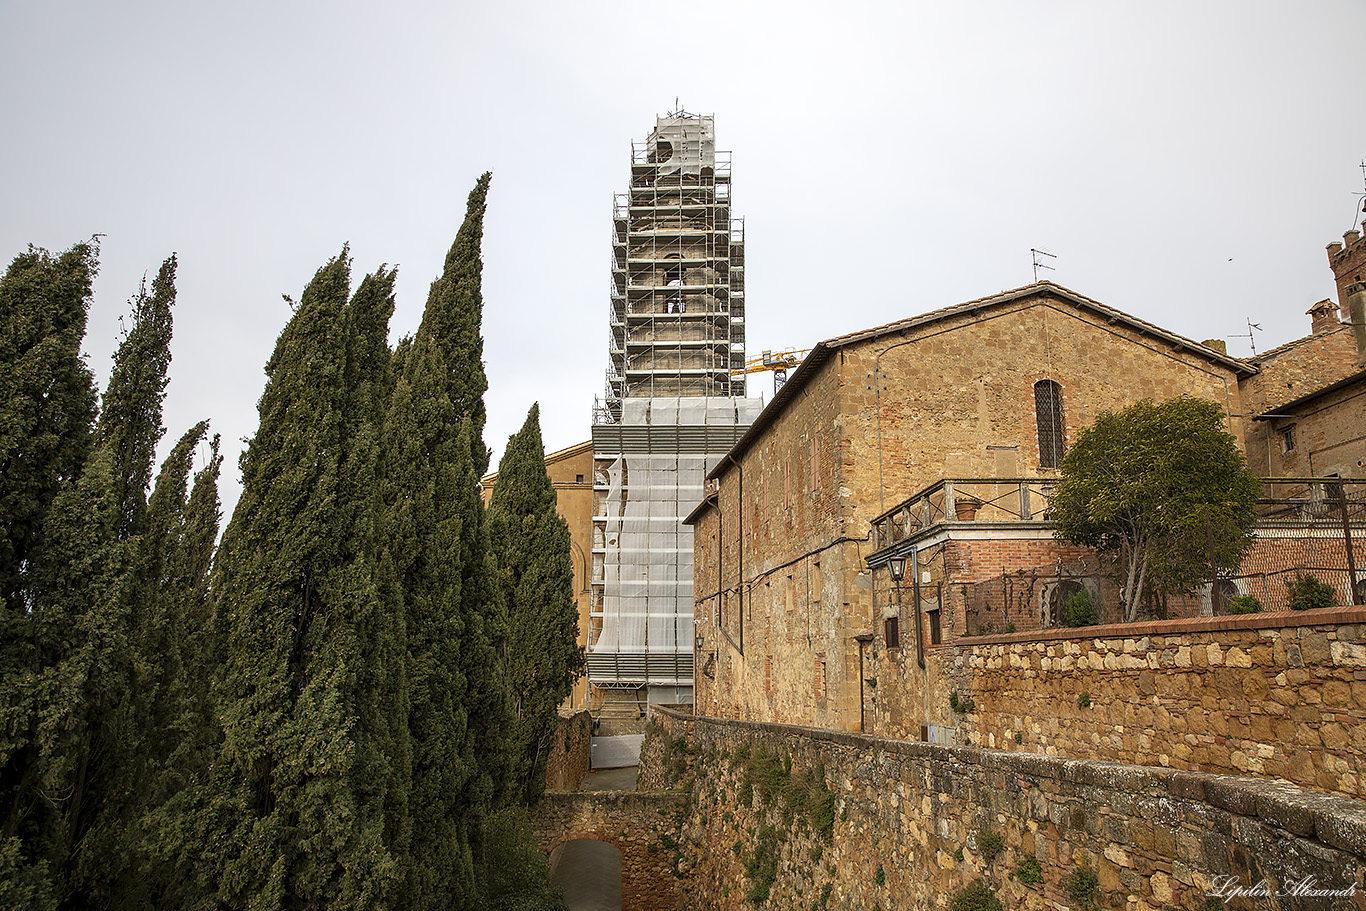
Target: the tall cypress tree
pixel 443 583
pixel 47 406
pixel 542 658
pixel 130 416
pixel 301 781
pixel 170 723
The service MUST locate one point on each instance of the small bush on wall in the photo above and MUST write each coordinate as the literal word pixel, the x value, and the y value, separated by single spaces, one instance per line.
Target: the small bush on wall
pixel 1081 610
pixel 1308 593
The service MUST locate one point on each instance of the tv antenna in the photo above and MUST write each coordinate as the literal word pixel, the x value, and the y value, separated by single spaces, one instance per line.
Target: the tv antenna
pixel 1040 265
pixel 1248 334
pixel 1362 196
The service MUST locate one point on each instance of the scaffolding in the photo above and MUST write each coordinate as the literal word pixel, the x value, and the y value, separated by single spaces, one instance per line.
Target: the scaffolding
pixel 672 407
pixel 677 315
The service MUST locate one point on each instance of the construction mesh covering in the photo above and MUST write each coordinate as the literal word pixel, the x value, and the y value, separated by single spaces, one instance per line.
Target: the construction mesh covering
pixel 646 570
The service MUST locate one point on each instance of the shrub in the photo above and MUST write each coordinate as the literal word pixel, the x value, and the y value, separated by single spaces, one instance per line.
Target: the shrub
pixel 1244 604
pixel 762 866
pixel 1084 701
pixel 976 896
pixel 1308 593
pixel 992 844
pixel 1082 884
pixel 1029 871
pixel 1081 610
pixel 961 705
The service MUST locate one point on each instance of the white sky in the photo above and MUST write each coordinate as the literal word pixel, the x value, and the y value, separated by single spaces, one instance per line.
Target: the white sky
pixel 1186 161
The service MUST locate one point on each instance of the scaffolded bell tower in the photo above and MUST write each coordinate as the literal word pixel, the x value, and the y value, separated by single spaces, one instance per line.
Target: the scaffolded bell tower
pixel 672 408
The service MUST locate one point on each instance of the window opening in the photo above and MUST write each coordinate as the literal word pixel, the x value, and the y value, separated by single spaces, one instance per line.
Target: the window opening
pixel 936 637
pixel 1048 410
pixel 891 631
pixel 1288 438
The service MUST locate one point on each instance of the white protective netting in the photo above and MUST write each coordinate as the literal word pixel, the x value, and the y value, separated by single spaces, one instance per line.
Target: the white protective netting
pixel 648 561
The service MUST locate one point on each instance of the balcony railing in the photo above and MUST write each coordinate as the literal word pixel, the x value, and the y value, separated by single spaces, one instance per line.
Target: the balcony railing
pixel 1283 502
pixel 964 500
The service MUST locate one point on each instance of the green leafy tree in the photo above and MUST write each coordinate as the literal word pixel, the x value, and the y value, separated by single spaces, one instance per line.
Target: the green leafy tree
pixel 1165 487
pixel 301 786
pixel 542 658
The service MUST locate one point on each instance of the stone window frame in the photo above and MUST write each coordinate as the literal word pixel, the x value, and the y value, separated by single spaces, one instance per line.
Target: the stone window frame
pixel 1051 429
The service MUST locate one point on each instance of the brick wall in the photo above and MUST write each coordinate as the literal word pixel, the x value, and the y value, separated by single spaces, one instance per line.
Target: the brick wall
pixel 913 823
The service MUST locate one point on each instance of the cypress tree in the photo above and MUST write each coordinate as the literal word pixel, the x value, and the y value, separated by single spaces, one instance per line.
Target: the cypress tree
pixel 130 416
pixel 47 405
pixel 437 548
pixel 168 696
pixel 302 776
pixel 542 658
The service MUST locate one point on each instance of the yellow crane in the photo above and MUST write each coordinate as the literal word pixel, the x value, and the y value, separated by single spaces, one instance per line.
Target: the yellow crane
pixel 779 362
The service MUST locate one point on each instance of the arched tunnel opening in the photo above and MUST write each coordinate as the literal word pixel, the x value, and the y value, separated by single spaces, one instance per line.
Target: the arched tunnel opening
pixel 589 872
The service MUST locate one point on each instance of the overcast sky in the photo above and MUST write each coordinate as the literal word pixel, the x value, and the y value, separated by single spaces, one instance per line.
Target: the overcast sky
pixel 1187 162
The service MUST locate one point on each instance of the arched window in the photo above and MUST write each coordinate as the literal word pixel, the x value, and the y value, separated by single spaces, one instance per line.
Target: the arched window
pixel 1048 410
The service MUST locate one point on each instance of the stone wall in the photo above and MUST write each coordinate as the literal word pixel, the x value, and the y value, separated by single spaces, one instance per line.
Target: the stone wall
pixel 640 826
pixel 1273 694
pixel 570 751
pixel 915 823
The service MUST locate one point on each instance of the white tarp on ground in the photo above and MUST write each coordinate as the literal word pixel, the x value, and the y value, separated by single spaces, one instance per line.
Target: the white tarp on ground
pixel 615 752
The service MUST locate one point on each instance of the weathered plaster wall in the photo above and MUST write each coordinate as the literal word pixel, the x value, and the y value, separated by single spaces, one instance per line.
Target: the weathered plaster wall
pixel 912 824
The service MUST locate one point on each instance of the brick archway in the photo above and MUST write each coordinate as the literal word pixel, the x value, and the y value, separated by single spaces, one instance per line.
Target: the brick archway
pixel 639 825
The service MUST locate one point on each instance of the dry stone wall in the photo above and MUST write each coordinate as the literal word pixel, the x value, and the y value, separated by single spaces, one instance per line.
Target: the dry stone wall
pixel 912 825
pixel 570 751
pixel 1281 695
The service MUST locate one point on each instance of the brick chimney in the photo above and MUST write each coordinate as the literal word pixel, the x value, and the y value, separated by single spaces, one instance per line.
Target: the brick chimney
pixel 1324 316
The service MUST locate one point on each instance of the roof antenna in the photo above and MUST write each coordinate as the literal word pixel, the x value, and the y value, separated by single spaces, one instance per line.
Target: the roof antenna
pixel 1038 265
pixel 1248 335
pixel 1361 196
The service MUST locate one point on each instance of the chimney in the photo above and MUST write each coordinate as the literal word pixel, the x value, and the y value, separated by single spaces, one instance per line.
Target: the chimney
pixel 1216 344
pixel 1348 261
pixel 1324 316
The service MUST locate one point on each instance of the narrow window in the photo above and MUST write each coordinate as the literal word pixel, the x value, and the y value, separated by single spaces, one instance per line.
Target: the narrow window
pixel 891 631
pixel 815 466
pixel 1288 437
pixel 1048 410
pixel 935 636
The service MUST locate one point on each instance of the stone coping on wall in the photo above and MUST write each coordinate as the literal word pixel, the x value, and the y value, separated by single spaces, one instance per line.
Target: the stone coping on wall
pixel 1328 616
pixel 1332 819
